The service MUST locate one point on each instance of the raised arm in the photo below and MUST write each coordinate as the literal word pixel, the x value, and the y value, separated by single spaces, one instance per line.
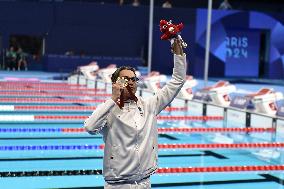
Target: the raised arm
pixel 165 96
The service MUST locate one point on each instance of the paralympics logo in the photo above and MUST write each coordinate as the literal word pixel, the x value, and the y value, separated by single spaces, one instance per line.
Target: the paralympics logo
pixel 237 47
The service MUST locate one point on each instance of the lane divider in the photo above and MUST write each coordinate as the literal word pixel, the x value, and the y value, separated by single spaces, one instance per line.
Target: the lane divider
pixel 64 108
pixel 39 88
pixel 7 107
pixel 160 146
pixel 44 94
pixel 38 84
pixel 222 146
pixel 221 169
pixel 32 83
pixel 172 118
pixel 160 130
pixel 216 129
pixel 19 118
pixel 49 100
pixel 166 170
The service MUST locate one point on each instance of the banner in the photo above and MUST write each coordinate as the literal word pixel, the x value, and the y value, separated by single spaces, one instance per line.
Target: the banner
pixel 242 53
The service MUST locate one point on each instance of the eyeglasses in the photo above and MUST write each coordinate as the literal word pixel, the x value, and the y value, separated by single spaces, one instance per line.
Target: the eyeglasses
pixel 134 79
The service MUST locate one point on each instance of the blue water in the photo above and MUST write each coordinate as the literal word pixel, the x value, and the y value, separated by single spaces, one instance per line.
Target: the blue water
pixel 86 159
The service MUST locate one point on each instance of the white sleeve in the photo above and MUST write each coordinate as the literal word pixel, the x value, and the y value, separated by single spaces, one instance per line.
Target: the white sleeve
pixel 98 119
pixel 165 96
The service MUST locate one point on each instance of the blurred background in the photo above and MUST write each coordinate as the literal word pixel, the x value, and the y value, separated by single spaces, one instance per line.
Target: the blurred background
pixel 246 40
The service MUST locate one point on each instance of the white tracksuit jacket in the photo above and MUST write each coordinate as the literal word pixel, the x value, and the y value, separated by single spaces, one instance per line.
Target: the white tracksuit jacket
pixel 130 134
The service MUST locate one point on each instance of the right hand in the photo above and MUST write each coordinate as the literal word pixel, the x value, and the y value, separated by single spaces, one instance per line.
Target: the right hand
pixel 177 47
pixel 116 91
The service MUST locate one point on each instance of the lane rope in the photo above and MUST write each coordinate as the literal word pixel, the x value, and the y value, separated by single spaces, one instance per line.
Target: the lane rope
pixel 160 130
pixel 173 118
pixel 160 146
pixel 49 100
pixel 64 108
pixel 44 94
pixel 166 170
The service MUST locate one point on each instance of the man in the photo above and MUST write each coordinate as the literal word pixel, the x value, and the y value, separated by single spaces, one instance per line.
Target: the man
pixel 11 58
pixel 22 59
pixel 225 5
pixel 130 132
pixel 135 3
pixel 167 4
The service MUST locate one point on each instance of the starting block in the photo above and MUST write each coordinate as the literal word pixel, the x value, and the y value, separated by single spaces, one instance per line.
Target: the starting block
pixel 186 90
pixel 280 111
pixel 217 94
pixel 89 71
pixel 153 81
pixel 105 73
pixel 264 100
pixel 83 73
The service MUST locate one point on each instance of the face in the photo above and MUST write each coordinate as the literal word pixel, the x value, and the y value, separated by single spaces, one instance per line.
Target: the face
pixel 131 84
